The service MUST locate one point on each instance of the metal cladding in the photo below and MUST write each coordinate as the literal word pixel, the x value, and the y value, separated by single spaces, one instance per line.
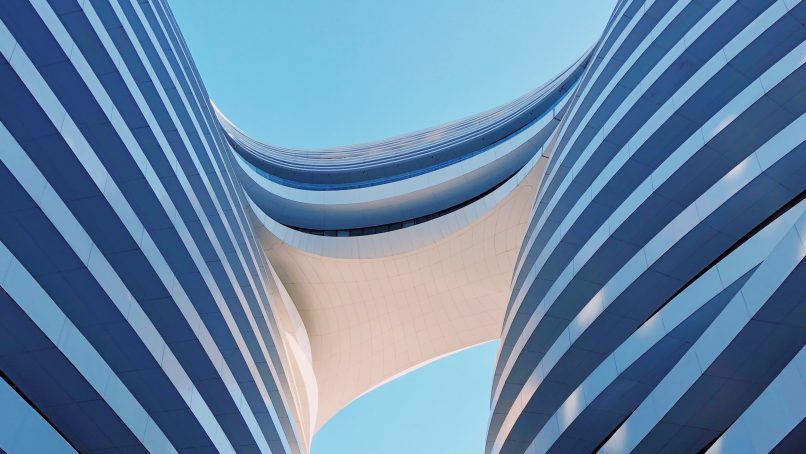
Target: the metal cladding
pixel 137 312
pixel 633 232
pixel 658 303
pixel 401 157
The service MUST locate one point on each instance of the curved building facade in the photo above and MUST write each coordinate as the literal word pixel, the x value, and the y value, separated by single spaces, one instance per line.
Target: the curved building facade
pixel 633 231
pixel 658 302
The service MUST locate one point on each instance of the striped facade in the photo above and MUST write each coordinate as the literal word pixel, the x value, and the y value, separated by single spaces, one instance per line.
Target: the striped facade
pixel 633 232
pixel 136 307
pixel 658 302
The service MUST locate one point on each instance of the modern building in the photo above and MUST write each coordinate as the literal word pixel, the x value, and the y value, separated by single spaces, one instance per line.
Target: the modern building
pixel 633 232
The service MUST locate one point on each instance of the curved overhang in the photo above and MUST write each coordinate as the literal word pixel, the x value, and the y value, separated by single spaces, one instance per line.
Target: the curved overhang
pixel 380 305
pixel 381 275
pixel 442 181
pixel 397 201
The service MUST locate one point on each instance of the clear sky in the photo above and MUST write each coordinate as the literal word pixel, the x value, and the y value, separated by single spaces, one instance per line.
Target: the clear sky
pixel 323 73
pixel 320 73
pixel 440 408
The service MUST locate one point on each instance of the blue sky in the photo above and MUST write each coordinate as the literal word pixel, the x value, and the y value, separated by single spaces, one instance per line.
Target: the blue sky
pixel 440 408
pixel 325 73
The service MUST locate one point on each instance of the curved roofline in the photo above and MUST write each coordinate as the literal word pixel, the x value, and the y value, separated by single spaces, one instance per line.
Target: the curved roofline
pixel 401 156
